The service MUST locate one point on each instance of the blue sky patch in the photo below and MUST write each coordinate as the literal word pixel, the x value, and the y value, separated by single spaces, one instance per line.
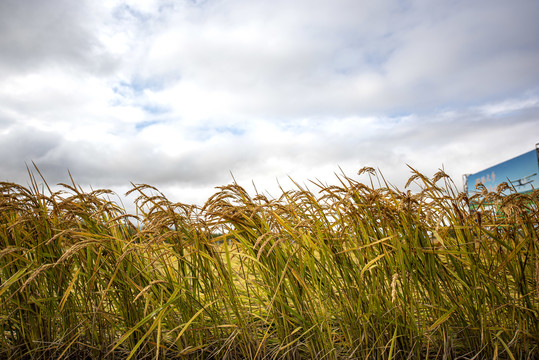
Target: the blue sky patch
pixel 144 124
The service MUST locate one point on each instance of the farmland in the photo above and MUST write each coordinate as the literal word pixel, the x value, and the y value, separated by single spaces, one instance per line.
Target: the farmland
pixel 335 272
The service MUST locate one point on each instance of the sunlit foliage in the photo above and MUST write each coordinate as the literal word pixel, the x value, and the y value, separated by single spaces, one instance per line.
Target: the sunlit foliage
pixel 352 271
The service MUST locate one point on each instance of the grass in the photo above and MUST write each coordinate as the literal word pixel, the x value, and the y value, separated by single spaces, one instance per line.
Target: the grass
pixel 343 272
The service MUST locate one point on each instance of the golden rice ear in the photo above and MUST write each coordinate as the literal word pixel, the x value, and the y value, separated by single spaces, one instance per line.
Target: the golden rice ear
pixel 367 169
pixel 463 197
pixel 502 187
pixel 439 175
pixel 411 179
pixel 482 188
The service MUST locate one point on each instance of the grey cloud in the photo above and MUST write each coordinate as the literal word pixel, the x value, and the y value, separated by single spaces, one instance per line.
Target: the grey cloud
pixel 5 121
pixel 19 146
pixel 352 57
pixel 466 53
pixel 36 33
pixel 138 162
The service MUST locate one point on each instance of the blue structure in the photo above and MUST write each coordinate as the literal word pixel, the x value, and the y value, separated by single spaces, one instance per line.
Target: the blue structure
pixel 520 173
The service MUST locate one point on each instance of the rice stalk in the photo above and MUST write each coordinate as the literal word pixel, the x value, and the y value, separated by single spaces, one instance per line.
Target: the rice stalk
pixel 351 270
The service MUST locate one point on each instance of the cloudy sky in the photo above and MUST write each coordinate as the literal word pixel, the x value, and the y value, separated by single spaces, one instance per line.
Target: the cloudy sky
pixel 181 94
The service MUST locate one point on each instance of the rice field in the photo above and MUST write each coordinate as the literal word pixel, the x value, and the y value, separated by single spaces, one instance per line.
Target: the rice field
pixel 359 270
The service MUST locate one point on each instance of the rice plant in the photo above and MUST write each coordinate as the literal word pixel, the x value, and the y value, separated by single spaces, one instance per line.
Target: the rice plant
pixel 352 271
